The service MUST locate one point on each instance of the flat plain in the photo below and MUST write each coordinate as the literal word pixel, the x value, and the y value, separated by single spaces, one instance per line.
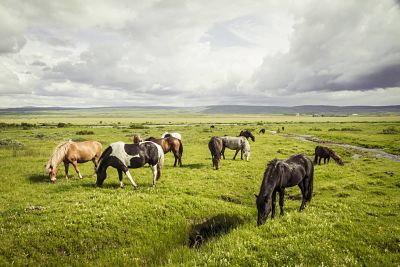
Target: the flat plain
pixel 196 215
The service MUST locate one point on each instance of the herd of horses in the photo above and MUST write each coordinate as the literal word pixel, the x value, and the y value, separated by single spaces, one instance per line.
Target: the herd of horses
pixel 278 175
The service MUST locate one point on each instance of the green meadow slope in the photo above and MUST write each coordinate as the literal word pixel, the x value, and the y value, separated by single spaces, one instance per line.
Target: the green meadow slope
pixel 196 215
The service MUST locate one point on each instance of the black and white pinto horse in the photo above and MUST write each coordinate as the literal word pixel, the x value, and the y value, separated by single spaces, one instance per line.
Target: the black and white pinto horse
pixel 124 156
pixel 279 174
pixel 236 143
pixel 176 135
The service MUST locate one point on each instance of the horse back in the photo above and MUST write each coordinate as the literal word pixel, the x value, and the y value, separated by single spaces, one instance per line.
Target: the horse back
pixel 83 151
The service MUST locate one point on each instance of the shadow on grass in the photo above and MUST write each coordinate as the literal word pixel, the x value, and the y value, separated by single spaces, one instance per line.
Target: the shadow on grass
pixel 194 165
pixel 41 178
pixel 214 227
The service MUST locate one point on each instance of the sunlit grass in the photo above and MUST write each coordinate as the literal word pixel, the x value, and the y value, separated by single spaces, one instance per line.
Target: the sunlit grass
pixel 351 220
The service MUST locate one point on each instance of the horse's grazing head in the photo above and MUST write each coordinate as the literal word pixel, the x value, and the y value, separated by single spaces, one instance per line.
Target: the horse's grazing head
pixel 336 157
pixel 263 207
pixel 263 200
pixel 51 171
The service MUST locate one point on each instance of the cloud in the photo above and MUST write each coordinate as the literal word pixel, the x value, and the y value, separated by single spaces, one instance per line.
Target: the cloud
pixel 345 46
pixel 197 53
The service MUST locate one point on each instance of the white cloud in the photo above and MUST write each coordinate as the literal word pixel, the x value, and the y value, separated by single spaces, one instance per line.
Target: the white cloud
pixel 198 53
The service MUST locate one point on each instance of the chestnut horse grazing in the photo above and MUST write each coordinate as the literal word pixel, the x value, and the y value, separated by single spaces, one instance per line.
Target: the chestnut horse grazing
pixel 279 174
pixel 170 144
pixel 74 153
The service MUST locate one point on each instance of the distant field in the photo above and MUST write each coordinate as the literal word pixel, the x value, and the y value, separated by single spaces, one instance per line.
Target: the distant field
pixel 352 220
pixel 90 118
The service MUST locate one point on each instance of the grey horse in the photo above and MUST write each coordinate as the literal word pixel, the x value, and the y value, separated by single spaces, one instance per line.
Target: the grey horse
pixel 236 143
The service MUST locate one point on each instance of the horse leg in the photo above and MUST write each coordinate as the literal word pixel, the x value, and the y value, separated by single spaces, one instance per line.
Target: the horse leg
pixel 130 178
pixel 95 166
pixel 154 169
pixel 273 212
pixel 223 152
pixel 121 184
pixel 66 165
pixel 329 159
pixel 237 151
pixel 303 193
pixel 320 158
pixel 241 154
pixel 75 164
pixel 281 200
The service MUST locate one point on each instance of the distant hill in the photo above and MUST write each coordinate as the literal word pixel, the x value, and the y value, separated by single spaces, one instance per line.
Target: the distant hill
pixel 237 109
pixel 223 109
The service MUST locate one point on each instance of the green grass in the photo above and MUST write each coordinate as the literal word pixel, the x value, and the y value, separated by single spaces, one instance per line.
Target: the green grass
pixel 353 218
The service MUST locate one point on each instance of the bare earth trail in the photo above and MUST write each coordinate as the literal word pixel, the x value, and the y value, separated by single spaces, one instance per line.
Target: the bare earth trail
pixel 377 153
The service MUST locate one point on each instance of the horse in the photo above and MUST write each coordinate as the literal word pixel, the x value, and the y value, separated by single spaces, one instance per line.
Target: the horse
pixel 236 143
pixel 215 145
pixel 323 152
pixel 279 174
pixel 170 144
pixel 247 134
pixel 176 135
pixel 74 153
pixel 137 139
pixel 124 156
pixel 262 131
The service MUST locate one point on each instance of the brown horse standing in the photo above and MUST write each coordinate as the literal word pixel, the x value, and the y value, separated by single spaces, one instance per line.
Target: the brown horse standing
pixel 215 145
pixel 74 153
pixel 170 144
pixel 323 152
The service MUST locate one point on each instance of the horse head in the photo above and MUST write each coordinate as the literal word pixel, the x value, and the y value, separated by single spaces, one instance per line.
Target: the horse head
pixel 264 208
pixel 51 171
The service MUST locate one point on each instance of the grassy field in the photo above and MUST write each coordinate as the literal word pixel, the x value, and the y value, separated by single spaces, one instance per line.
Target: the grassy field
pixel 196 215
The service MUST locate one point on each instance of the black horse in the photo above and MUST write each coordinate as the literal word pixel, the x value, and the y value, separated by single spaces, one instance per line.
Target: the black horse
pixel 279 174
pixel 247 134
pixel 323 152
pixel 215 145
pixel 123 156
pixel 262 131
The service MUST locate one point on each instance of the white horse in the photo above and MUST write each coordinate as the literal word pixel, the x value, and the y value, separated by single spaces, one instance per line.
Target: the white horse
pixel 236 143
pixel 176 135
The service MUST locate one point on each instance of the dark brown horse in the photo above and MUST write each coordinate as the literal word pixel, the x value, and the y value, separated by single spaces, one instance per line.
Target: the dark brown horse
pixel 279 174
pixel 170 144
pixel 323 152
pixel 247 134
pixel 215 145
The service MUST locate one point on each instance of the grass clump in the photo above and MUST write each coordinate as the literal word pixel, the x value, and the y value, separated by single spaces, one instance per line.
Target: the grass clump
pixel 390 130
pixel 85 132
pixel 10 143
pixel 137 126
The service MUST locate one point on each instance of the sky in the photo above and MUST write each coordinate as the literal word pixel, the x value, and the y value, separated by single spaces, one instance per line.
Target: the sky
pixel 197 53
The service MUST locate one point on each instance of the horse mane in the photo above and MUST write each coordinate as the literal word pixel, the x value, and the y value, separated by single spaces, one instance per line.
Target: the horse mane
pixel 58 154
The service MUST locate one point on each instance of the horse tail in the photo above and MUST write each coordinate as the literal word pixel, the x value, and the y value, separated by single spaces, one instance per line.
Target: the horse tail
pixel 316 155
pixel 310 182
pixel 180 148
